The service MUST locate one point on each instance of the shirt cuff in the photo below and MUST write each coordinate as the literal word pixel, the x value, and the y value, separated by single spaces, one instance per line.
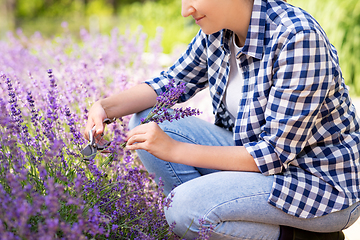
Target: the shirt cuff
pixel 158 84
pixel 265 157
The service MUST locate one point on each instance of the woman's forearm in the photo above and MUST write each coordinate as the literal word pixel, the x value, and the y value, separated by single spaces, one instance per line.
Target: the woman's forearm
pixel 135 99
pixel 235 158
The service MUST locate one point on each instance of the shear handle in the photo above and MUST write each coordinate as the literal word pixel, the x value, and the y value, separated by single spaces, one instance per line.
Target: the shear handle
pixel 91 137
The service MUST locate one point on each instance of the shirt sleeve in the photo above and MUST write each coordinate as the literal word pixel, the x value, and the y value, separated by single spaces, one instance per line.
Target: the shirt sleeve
pixel 190 68
pixel 303 75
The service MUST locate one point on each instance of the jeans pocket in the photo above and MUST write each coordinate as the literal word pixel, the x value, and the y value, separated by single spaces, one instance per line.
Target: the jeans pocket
pixel 354 215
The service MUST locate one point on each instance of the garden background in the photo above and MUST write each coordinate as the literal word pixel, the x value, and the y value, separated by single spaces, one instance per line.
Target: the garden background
pixel 94 47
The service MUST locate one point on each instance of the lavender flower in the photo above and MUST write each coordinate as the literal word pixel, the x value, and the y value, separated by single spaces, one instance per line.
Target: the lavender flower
pixel 14 107
pixel 77 137
pixel 34 112
pixel 52 111
pixel 161 111
pixel 205 231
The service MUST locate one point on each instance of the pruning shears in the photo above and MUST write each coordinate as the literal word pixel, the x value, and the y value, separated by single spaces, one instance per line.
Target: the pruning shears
pixel 90 150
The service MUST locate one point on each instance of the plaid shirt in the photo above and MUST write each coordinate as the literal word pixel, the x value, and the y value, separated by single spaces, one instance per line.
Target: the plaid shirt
pixel 295 117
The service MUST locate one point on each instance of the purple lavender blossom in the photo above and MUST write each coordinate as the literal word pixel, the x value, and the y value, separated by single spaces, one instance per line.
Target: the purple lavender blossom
pixel 205 231
pixel 34 112
pixel 161 111
pixel 77 137
pixel 14 107
pixel 53 106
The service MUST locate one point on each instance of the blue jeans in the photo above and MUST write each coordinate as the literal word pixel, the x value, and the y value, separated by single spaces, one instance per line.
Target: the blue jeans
pixel 234 203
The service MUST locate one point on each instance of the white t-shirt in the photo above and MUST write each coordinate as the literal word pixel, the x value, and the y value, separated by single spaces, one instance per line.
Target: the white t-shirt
pixel 235 83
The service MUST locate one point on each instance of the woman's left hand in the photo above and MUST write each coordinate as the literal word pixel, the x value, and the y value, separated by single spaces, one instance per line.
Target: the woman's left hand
pixel 153 139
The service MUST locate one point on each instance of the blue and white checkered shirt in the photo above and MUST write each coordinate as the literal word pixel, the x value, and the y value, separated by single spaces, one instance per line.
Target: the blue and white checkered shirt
pixel 295 117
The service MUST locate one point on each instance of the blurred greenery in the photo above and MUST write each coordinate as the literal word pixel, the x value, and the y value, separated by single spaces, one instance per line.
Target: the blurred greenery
pixel 340 20
pixel 100 16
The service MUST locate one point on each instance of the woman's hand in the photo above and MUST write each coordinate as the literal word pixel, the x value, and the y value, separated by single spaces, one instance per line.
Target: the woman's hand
pixel 132 100
pixel 96 117
pixel 153 139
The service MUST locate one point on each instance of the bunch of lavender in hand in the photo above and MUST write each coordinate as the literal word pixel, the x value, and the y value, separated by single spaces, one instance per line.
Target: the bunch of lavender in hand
pixel 161 111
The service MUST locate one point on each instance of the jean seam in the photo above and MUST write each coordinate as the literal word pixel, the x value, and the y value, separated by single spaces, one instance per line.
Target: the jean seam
pixel 257 194
pixel 229 235
pixel 174 173
pixel 357 208
pixel 235 237
pixel 180 134
pixel 221 221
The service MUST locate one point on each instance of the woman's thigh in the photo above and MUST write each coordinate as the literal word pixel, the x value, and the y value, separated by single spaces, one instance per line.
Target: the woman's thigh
pixel 235 203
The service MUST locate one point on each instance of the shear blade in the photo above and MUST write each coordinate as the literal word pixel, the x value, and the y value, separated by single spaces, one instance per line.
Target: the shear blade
pixel 89 152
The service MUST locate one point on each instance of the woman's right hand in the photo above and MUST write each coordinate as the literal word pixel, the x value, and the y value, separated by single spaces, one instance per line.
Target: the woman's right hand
pixel 132 100
pixel 96 117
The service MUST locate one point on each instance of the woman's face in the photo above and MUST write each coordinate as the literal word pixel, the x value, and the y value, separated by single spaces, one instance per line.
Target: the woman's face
pixel 215 15
pixel 210 15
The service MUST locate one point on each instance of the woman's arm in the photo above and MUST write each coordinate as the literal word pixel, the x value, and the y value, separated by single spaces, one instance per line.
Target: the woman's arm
pixel 132 100
pixel 152 138
pixel 143 96
pixel 234 158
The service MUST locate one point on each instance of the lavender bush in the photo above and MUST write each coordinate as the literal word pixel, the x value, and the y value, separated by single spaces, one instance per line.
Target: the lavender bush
pixel 47 191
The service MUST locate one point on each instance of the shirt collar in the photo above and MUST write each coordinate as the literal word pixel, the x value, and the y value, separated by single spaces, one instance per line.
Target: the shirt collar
pixel 225 39
pixel 254 43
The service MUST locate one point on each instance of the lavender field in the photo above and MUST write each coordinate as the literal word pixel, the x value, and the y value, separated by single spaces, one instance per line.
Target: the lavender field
pixel 47 190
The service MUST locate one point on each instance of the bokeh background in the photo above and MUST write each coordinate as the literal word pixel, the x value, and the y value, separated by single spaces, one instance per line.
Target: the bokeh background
pixel 339 18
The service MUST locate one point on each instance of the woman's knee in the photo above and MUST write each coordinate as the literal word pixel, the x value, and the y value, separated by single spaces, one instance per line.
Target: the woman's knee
pixel 183 213
pixel 190 208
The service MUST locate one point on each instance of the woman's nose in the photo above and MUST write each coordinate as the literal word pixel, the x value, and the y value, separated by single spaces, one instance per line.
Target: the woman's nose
pixel 186 8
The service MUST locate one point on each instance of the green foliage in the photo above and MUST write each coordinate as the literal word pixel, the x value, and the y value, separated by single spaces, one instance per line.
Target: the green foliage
pixel 26 10
pixel 99 7
pixel 165 14
pixel 341 22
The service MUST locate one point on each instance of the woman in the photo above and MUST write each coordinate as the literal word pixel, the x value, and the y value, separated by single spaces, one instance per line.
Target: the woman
pixel 282 160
